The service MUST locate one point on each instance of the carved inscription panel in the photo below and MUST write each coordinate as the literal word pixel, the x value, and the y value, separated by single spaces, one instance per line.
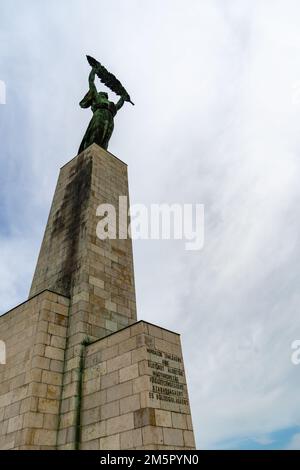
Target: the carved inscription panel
pixel 167 378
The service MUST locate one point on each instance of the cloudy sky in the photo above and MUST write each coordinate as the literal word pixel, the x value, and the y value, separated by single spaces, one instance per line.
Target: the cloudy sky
pixel 217 121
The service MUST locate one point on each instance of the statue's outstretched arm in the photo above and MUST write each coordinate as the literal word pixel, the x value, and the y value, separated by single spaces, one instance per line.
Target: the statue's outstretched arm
pixel 92 85
pixel 120 103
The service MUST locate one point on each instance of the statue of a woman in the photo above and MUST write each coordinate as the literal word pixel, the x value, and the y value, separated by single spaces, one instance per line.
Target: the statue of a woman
pixel 101 125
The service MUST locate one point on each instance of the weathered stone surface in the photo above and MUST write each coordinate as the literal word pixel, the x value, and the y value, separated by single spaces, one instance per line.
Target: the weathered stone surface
pixel 29 390
pixel 130 376
pixel 146 402
pixel 73 261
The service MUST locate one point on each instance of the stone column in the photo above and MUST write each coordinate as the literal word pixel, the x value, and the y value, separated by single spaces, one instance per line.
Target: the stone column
pixel 97 275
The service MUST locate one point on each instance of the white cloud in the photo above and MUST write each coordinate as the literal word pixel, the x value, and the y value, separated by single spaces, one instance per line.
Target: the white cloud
pixel 264 440
pixel 294 443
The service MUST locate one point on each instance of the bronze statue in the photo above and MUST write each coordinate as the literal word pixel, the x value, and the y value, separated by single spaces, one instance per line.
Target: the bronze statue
pixel 101 125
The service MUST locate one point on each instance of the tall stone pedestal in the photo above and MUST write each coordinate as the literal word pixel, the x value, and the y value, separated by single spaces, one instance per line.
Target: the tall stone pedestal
pixel 81 372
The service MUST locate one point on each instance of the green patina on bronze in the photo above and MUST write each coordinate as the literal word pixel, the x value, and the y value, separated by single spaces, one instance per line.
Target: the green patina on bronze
pixel 101 126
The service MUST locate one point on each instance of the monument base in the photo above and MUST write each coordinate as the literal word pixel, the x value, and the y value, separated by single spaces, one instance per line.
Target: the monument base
pixel 134 393
pixel 131 388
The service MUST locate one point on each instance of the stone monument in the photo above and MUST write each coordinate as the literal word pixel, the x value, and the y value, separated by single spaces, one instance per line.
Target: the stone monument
pixel 81 372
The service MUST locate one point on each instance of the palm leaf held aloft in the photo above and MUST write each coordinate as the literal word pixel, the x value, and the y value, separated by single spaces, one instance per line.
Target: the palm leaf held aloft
pixel 109 79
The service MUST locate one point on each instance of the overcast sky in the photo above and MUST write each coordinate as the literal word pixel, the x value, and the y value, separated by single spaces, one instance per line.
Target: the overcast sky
pixel 217 121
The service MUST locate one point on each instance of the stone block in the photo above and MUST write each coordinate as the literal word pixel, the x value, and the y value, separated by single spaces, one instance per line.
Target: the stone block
pixel 131 439
pixel 130 403
pixel 120 423
pixel 163 418
pixel 110 410
pixel 173 437
pixel 152 435
pixel 129 372
pixel 93 431
pixel 119 362
pixel 110 442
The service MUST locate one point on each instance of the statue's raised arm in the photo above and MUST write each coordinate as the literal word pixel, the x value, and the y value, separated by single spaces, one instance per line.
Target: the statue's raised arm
pixel 87 101
pixel 101 125
pixel 92 85
pixel 120 103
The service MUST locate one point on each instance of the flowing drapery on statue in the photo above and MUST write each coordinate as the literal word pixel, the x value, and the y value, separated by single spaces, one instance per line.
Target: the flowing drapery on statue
pixel 101 126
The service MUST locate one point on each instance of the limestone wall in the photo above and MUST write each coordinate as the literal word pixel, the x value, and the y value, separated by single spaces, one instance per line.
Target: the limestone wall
pixel 97 274
pixel 134 393
pixel 31 379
